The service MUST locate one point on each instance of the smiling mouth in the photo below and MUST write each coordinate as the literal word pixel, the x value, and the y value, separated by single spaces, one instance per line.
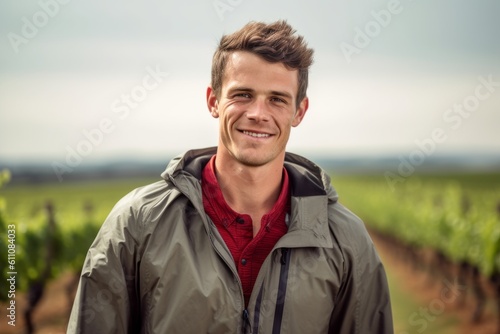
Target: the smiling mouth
pixel 256 135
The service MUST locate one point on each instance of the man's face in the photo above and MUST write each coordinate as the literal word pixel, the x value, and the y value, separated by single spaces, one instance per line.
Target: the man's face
pixel 256 109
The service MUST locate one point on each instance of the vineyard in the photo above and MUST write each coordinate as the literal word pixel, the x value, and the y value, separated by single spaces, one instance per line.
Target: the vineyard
pixel 448 226
pixel 55 225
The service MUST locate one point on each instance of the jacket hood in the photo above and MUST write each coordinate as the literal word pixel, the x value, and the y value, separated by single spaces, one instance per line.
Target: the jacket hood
pixel 311 193
pixel 298 167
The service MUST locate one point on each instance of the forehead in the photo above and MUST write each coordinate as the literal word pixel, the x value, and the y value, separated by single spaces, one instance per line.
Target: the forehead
pixel 245 68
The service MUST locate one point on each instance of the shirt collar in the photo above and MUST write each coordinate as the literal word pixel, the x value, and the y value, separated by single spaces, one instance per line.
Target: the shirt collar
pixel 212 195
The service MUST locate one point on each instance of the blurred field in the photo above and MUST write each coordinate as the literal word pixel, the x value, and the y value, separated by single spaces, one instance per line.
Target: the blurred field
pixel 80 204
pixel 433 230
pixel 455 214
pixel 71 199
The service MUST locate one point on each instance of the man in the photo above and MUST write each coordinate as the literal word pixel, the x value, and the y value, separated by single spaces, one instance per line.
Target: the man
pixel 242 238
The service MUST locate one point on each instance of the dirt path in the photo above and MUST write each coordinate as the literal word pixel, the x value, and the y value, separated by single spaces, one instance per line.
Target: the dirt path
pixel 51 314
pixel 439 305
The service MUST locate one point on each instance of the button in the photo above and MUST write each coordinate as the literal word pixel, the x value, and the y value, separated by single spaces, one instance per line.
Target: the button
pixel 240 220
pixel 243 261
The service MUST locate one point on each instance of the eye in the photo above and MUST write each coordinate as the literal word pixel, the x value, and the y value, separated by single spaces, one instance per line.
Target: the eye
pixel 242 95
pixel 278 100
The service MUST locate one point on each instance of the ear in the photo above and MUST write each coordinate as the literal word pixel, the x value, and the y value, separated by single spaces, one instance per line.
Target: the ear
pixel 300 112
pixel 212 103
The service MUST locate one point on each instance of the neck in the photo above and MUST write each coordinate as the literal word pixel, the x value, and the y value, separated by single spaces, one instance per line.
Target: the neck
pixel 249 189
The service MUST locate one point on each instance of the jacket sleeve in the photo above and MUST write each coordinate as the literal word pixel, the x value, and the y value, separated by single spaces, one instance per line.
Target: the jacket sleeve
pixel 106 299
pixel 362 305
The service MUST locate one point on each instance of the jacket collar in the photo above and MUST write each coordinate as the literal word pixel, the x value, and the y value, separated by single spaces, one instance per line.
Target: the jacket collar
pixel 310 188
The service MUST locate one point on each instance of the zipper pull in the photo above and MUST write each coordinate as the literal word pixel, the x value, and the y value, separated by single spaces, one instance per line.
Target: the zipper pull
pixel 284 252
pixel 246 321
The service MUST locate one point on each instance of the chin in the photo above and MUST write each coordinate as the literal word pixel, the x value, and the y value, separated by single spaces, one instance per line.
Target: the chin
pixel 252 160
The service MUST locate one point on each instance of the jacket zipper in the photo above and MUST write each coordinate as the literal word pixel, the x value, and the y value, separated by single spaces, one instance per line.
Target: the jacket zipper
pixel 256 317
pixel 280 299
pixel 245 322
pixel 284 252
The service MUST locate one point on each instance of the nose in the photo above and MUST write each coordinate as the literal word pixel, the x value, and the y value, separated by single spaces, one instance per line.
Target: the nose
pixel 258 111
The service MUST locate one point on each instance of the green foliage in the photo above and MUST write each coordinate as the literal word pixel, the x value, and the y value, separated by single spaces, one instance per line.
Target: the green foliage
pixel 78 211
pixel 41 251
pixel 456 215
pixel 77 242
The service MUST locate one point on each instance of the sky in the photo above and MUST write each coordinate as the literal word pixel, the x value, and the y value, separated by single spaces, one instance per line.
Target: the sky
pixel 89 81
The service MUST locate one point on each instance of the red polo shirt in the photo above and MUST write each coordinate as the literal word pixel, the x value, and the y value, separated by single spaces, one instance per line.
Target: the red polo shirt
pixel 237 231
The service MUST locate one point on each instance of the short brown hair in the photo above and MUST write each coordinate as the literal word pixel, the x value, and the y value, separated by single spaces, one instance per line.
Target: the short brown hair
pixel 275 42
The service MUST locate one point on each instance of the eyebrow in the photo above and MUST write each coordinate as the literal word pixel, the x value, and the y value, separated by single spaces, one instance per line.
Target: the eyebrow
pixel 240 89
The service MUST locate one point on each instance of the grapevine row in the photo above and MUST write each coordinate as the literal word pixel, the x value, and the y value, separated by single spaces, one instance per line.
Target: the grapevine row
pixel 43 251
pixel 460 225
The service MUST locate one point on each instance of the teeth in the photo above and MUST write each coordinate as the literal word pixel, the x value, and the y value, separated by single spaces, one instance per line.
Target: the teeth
pixel 257 135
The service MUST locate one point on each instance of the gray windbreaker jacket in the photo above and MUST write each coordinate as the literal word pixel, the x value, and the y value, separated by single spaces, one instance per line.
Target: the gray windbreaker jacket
pixel 159 265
